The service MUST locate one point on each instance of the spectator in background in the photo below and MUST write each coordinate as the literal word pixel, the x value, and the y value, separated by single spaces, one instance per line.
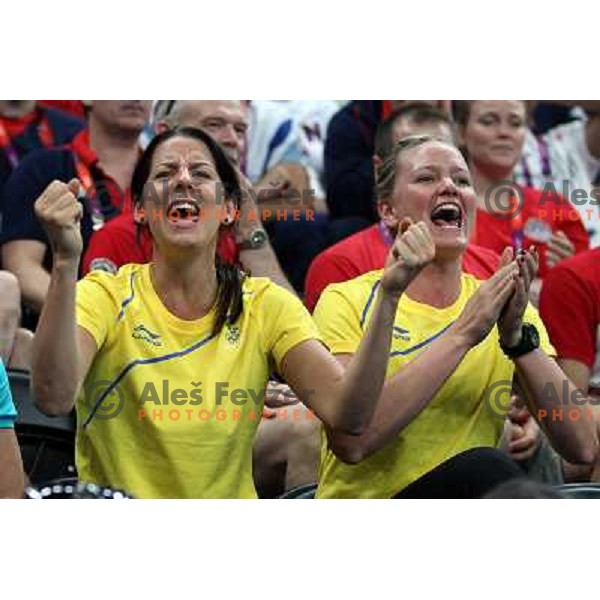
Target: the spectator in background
pixel 491 134
pixel 277 166
pixel 313 117
pixel 75 108
pixel 568 157
pixel 12 482
pixel 367 250
pixel 25 126
pixel 570 308
pixel 15 341
pixel 102 158
pixel 349 147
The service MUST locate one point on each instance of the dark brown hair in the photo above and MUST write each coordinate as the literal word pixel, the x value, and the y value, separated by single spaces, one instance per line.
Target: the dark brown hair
pixel 229 277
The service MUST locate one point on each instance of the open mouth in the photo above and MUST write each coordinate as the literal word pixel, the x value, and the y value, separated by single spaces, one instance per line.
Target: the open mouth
pixel 183 210
pixel 447 215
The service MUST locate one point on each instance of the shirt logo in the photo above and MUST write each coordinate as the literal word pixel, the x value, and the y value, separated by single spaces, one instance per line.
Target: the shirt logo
pixel 233 334
pixel 401 334
pixel 140 332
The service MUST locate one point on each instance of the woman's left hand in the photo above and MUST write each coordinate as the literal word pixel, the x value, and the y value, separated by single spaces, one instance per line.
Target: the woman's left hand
pixel 511 319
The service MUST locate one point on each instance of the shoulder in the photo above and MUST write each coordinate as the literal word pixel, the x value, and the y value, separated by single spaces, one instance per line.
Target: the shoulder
pixel 582 266
pixel 47 159
pixel 38 169
pixel 359 290
pixel 119 286
pixel 64 126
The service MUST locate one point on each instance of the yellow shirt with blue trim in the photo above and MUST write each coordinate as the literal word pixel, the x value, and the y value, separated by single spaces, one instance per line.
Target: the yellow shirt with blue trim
pixel 467 412
pixel 168 410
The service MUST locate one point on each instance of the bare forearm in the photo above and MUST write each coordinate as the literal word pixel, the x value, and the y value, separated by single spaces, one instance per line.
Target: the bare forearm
pixel 12 482
pixel 55 361
pixel 571 431
pixel 404 396
pixel 262 262
pixel 367 370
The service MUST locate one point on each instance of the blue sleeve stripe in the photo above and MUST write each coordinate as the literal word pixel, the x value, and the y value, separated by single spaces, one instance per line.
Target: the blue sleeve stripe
pixel 129 299
pixel 368 304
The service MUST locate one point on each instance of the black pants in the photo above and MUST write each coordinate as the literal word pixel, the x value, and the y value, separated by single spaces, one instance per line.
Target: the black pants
pixel 471 474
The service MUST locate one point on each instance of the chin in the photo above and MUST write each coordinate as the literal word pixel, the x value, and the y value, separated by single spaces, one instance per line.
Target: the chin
pixel 450 248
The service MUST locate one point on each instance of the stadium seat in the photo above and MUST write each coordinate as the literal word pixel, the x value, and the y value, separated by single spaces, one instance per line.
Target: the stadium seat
pixel 580 490
pixel 47 443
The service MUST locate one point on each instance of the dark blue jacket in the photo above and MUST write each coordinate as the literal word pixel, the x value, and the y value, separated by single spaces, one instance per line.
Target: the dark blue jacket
pixel 63 127
pixel 349 145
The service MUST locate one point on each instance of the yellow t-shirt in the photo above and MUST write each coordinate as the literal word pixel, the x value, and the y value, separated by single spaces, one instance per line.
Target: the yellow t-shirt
pixel 181 407
pixel 455 420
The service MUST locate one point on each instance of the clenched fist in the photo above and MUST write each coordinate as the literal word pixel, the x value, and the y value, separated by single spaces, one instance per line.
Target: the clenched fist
pixel 413 250
pixel 59 212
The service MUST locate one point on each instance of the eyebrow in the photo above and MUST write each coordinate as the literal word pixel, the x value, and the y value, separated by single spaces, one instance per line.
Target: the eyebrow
pixel 453 170
pixel 170 162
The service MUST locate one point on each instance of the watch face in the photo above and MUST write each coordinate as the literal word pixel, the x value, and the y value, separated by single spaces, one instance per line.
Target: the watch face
pixel 533 334
pixel 258 237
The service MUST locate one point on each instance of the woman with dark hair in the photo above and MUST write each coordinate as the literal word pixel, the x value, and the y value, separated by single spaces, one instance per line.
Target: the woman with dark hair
pixel 167 362
pixel 457 344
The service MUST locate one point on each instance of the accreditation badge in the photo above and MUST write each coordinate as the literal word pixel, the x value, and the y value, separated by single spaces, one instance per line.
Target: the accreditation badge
pixel 538 231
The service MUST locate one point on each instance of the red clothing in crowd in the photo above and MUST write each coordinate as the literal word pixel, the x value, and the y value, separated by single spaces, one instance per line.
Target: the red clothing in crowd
pixel 541 215
pixel 570 309
pixel 73 107
pixel 116 245
pixel 367 251
pixel 92 176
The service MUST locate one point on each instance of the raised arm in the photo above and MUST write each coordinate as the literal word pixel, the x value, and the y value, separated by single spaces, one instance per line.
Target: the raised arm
pixel 346 399
pixel 62 352
pixel 260 261
pixel 408 392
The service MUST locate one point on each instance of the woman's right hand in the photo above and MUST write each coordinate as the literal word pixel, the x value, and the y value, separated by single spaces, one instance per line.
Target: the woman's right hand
pixel 412 251
pixel 483 309
pixel 59 212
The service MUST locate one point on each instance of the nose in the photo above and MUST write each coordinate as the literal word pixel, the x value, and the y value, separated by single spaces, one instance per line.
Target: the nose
pixel 447 187
pixel 182 182
pixel 229 136
pixel 505 130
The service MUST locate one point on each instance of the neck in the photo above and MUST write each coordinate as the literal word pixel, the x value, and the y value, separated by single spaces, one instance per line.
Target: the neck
pixel 187 285
pixel 117 151
pixel 438 285
pixel 484 180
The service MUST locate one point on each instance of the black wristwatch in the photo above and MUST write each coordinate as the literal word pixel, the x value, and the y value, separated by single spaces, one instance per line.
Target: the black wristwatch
pixel 257 239
pixel 530 341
